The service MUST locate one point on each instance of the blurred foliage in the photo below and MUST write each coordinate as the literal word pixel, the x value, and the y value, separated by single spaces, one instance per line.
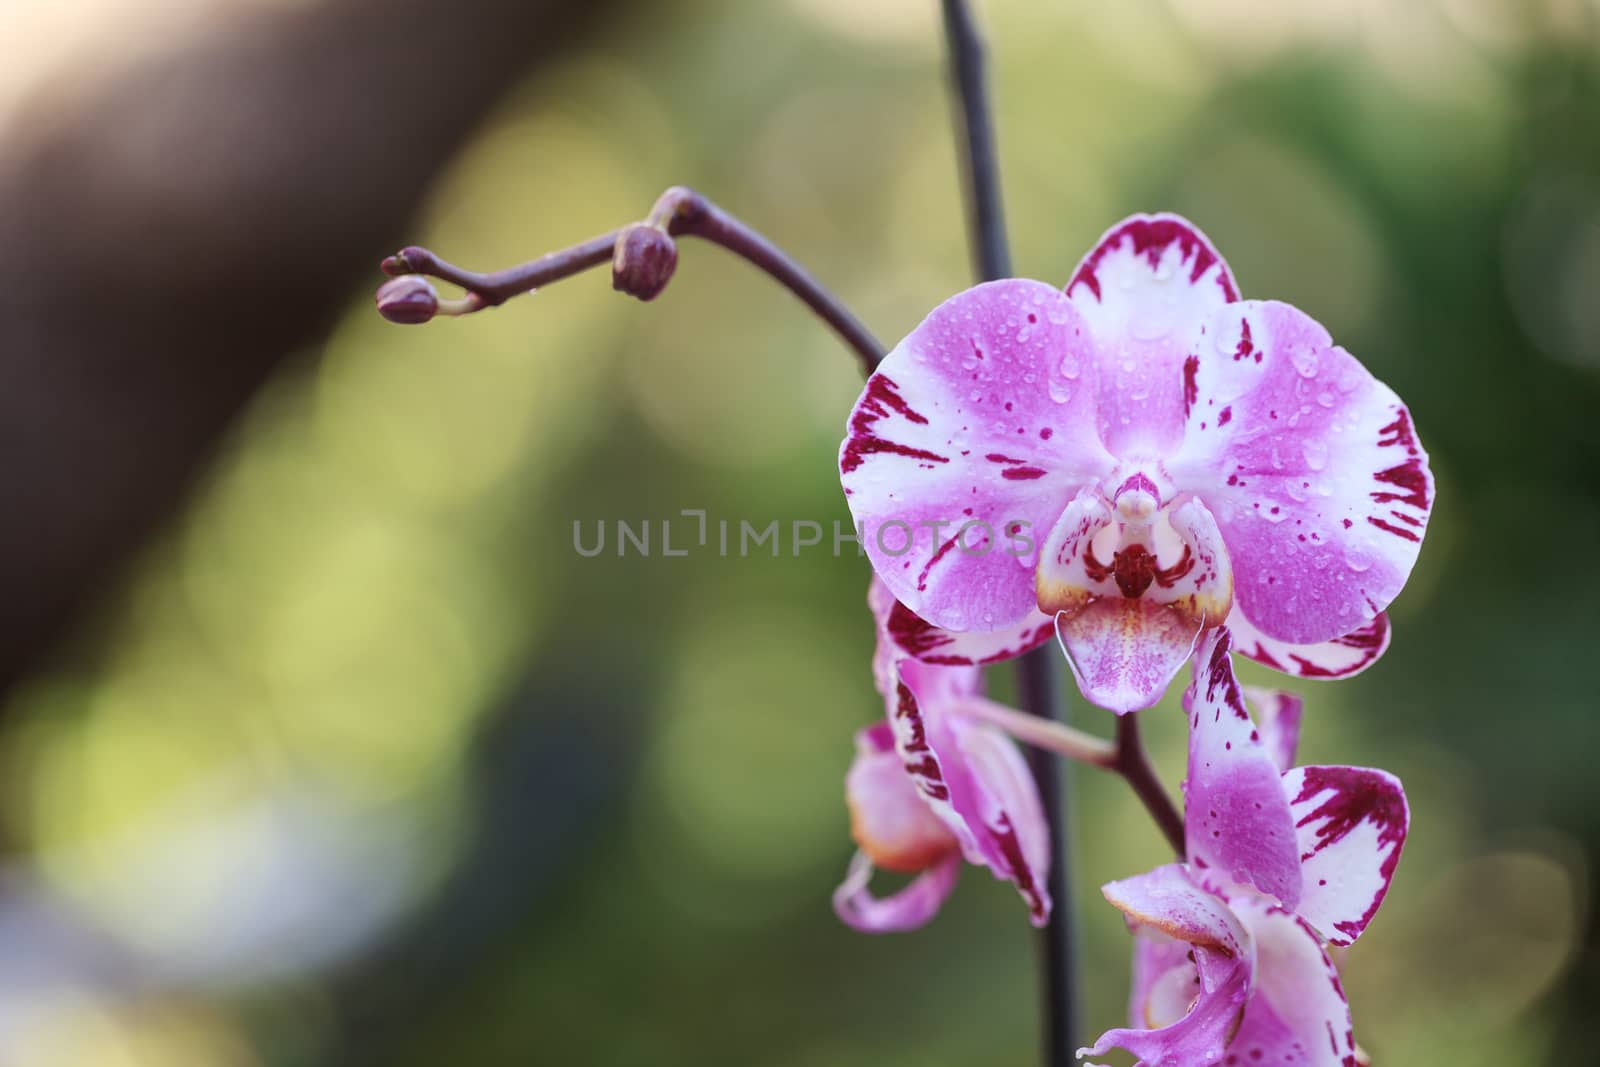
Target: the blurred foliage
pixel 366 764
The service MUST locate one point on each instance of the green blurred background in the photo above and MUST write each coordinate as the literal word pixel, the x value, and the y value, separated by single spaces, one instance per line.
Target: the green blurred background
pixel 360 762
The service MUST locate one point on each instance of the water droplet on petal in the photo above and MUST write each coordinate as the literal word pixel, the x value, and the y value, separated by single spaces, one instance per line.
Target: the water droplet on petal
pixel 1316 453
pixel 1069 367
pixel 1305 361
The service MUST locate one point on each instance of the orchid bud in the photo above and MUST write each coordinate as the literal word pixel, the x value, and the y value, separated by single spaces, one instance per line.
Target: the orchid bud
pixel 408 300
pixel 643 262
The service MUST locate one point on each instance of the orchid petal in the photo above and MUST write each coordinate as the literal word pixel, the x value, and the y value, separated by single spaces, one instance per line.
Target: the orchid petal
pixel 1277 716
pixel 1124 652
pixel 927 643
pixel 1311 467
pixel 1205 589
pixel 973 778
pixel 1352 826
pixel 1144 291
pixel 1341 657
pixel 1167 900
pixel 888 819
pixel 1016 835
pixel 1237 821
pixel 1197 1036
pixel 963 445
pixel 1165 982
pixel 933 684
pixel 910 908
pixel 1297 1011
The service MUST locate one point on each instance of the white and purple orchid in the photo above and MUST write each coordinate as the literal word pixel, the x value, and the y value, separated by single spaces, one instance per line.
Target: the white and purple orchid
pixel 1129 463
pixel 932 785
pixel 1229 958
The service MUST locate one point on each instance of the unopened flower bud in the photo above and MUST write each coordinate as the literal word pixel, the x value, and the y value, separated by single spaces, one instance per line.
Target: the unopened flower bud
pixel 408 300
pixel 643 261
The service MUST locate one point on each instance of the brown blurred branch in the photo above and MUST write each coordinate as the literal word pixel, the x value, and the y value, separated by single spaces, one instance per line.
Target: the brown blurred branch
pixel 173 229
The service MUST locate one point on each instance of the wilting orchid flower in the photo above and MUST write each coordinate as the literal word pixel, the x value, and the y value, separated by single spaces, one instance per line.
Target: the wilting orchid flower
pixel 931 786
pixel 1135 460
pixel 1229 964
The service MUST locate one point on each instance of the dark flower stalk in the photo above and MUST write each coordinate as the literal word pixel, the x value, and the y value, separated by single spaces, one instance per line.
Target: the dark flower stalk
pixel 1038 672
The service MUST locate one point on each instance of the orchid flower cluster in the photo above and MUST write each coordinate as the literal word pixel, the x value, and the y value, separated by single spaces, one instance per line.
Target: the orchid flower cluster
pixel 1153 472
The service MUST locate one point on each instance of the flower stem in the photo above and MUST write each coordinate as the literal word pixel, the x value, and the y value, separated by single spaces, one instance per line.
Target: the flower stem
pixel 679 212
pixel 1048 734
pixel 1038 672
pixel 1133 763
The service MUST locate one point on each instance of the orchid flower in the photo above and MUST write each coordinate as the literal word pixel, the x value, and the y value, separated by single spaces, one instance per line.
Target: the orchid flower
pixel 1229 959
pixel 1132 461
pixel 933 785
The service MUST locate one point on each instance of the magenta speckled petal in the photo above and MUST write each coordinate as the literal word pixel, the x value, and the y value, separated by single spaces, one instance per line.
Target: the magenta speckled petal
pixel 1145 290
pixel 973 418
pixel 1297 1013
pixel 1310 466
pixel 1167 900
pixel 1352 825
pixel 1342 657
pixel 1237 823
pixel 1123 652
pixel 908 909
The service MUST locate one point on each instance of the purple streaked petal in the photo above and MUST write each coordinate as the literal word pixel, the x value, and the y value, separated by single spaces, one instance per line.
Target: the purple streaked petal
pixel 1123 653
pixel 1277 716
pixel 934 684
pixel 1297 1011
pixel 927 643
pixel 1352 825
pixel 889 820
pixel 1342 657
pixel 973 419
pixel 1237 822
pixel 1144 291
pixel 973 778
pixel 1007 816
pixel 908 909
pixel 928 754
pixel 1311 467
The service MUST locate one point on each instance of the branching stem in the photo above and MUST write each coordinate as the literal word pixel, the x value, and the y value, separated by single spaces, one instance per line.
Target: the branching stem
pixel 679 212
